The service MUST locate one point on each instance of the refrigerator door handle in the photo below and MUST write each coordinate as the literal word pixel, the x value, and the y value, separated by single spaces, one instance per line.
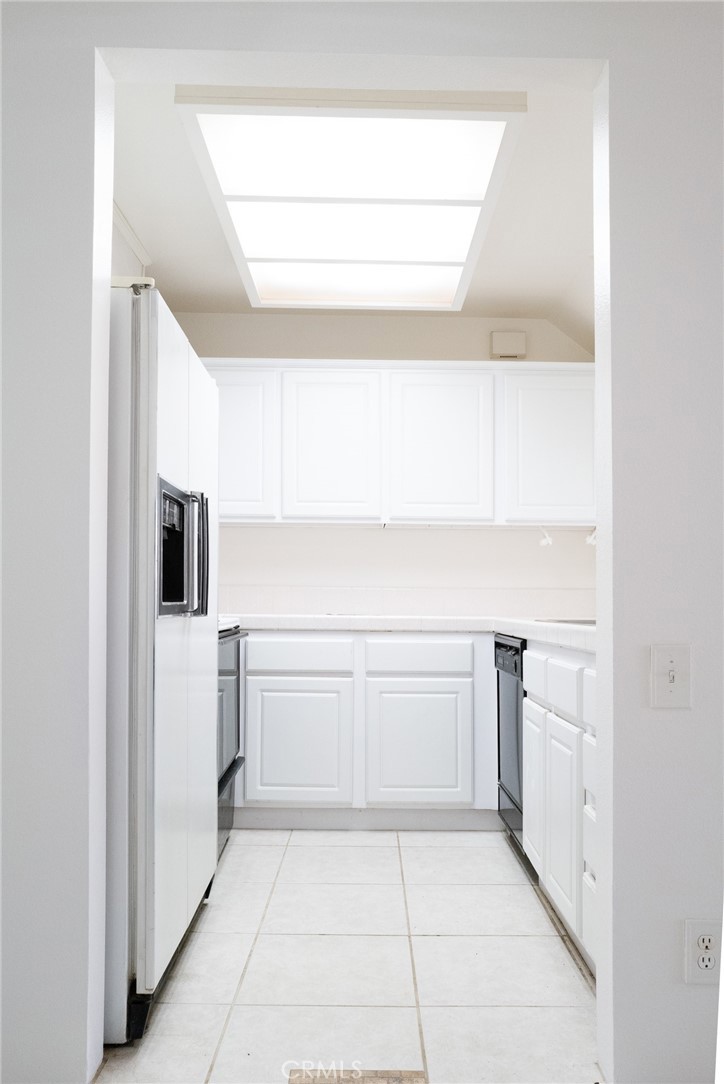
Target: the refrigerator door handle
pixel 200 534
pixel 206 548
pixel 194 554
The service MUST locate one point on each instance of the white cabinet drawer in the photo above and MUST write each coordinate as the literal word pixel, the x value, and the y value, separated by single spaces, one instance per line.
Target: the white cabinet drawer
pixel 563 683
pixel 385 656
pixel 534 674
pixel 298 655
pixel 590 774
pixel 588 688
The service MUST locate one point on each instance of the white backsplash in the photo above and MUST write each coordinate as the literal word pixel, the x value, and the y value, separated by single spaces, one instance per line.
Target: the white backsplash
pixel 353 570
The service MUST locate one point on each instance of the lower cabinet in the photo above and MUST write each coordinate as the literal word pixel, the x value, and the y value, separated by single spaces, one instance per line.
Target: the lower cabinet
pixel 299 739
pixel 560 785
pixel 563 818
pixel 363 718
pixel 420 740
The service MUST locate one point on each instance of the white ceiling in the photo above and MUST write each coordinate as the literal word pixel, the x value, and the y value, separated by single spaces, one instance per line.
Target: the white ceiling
pixel 537 258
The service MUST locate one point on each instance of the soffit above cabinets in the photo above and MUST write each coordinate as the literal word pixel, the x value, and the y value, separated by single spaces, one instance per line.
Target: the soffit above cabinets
pixel 357 201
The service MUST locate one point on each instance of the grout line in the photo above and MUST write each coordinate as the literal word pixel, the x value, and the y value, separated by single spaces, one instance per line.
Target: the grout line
pixel 412 963
pixel 224 1029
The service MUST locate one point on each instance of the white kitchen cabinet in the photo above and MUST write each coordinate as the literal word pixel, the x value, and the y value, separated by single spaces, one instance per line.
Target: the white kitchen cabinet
pixel 549 454
pixel 563 818
pixel 534 783
pixel 478 443
pixel 248 443
pixel 441 452
pixel 420 740
pixel 331 445
pixel 299 739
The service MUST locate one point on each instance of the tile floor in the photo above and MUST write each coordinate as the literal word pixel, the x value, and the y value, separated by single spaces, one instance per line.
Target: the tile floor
pixel 380 950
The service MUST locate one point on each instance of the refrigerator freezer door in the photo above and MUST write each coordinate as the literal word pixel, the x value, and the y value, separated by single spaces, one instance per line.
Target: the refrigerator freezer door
pixel 203 639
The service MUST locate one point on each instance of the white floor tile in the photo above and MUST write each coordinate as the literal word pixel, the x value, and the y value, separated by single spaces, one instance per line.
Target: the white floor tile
pixel 261 1044
pixel 208 970
pixel 452 839
pixel 342 838
pixel 159 1060
pixel 336 909
pixel 203 1022
pixel 461 865
pixel 324 970
pixel 241 863
pixel 498 910
pixel 476 1046
pixel 233 908
pixel 177 1048
pixel 258 837
pixel 498 971
pixel 340 865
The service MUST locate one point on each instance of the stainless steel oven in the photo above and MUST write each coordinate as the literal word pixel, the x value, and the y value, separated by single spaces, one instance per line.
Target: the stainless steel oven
pixel 230 719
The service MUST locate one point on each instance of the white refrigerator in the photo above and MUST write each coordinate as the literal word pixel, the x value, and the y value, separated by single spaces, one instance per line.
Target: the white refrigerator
pixel 162 649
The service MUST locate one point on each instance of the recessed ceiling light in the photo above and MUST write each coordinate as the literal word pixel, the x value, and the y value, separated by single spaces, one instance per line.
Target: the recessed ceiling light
pixel 351 208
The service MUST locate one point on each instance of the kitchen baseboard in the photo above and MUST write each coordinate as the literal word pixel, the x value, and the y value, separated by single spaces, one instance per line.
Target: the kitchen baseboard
pixel 410 819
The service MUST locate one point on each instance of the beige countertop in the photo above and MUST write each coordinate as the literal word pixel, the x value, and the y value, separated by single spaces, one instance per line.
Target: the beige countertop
pixel 579 637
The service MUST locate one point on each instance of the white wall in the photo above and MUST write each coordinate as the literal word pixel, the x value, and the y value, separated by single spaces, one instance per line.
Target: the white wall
pixel 660 550
pixel 422 338
pixel 124 260
pixel 370 570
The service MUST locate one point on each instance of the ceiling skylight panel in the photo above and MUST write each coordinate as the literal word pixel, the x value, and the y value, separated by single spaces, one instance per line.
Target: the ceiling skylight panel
pixel 352 157
pixel 356 202
pixel 411 233
pixel 355 285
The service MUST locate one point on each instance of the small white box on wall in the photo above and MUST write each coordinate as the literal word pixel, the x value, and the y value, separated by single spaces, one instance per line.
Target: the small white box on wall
pixel 507 344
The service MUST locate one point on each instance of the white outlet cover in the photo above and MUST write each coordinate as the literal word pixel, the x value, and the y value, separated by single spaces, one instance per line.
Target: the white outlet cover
pixel 694 928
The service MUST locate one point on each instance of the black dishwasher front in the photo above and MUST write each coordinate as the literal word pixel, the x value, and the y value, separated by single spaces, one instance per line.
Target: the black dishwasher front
pixel 509 666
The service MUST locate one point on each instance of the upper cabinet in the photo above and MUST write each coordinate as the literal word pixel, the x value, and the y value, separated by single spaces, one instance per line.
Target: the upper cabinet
pixel 331 445
pixel 549 459
pixel 248 443
pixel 441 446
pixel 479 443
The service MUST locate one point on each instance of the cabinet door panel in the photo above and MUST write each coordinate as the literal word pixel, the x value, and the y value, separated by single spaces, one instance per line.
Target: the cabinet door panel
pixel 549 448
pixel 534 729
pixel 441 446
pixel 419 740
pixel 299 740
pixel 331 454
pixel 563 814
pixel 248 444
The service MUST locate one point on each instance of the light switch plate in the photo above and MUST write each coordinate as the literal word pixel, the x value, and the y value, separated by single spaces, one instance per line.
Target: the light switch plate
pixel 671 675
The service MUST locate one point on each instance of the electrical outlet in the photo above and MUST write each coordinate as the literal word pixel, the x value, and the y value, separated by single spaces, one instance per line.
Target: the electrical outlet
pixel 702 944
